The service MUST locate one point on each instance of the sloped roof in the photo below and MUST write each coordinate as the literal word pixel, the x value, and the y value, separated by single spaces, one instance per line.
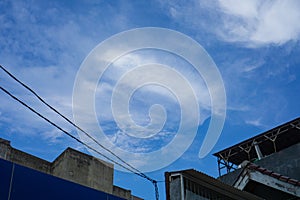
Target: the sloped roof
pixel 271 141
pixel 211 183
pixel 268 179
pixel 278 176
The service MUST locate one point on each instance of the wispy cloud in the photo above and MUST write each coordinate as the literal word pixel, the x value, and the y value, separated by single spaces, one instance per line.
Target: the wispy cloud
pixel 52 136
pixel 253 23
pixel 43 44
pixel 255 122
pixel 250 72
pixel 261 22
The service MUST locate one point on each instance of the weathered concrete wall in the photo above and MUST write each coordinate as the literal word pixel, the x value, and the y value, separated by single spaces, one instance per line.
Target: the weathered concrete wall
pixel 285 162
pixel 71 165
pixel 4 148
pixel 136 198
pixel 192 196
pixel 175 188
pixel 22 158
pixel 120 192
pixel 33 162
pixel 267 192
pixel 231 177
pixel 84 169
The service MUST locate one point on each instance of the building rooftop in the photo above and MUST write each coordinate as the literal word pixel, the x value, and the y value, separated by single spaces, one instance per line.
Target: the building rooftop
pixel 70 165
pixel 194 185
pixel 269 142
pixel 266 183
pixel 252 166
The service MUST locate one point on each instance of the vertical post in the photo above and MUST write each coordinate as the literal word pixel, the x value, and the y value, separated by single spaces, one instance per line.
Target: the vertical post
pixel 219 168
pixel 182 187
pixel 258 152
pixel 11 180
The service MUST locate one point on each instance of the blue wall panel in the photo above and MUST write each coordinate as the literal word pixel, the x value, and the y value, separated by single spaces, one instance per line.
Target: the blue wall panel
pixel 5 176
pixel 30 184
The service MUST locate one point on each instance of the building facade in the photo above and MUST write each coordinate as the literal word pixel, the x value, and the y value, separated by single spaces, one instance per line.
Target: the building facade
pixel 73 168
pixel 266 166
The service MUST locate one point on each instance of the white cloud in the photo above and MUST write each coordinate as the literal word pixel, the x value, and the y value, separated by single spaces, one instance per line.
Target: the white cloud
pixel 135 74
pixel 251 22
pixel 255 122
pixel 43 44
pixel 52 136
pixel 246 8
pixel 52 84
pixel 260 22
pixel 128 62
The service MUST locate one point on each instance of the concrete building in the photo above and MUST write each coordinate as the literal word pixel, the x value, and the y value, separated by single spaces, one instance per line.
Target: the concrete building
pixel 193 185
pixel 266 166
pixel 71 165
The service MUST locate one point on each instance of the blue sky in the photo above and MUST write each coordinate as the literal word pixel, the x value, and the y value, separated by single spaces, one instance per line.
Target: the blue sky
pixel 254 44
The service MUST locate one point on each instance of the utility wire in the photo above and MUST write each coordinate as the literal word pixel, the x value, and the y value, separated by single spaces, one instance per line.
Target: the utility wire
pixel 61 129
pixel 154 182
pixel 65 118
pixel 133 169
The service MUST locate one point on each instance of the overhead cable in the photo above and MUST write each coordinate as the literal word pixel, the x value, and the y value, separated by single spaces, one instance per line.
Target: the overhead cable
pixel 129 167
pixel 68 120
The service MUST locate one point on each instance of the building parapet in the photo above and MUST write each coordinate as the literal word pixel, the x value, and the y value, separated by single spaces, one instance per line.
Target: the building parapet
pixel 71 165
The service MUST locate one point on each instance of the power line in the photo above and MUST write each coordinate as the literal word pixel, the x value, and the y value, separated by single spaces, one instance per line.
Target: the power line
pixel 133 169
pixel 61 129
pixel 68 120
pixel 154 182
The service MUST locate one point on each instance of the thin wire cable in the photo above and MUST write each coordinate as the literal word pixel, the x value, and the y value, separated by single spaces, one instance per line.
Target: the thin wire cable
pixel 69 121
pixel 64 131
pixel 154 182
pixel 156 190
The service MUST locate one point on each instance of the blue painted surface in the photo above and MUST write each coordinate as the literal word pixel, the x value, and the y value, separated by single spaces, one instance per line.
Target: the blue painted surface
pixel 5 175
pixel 30 184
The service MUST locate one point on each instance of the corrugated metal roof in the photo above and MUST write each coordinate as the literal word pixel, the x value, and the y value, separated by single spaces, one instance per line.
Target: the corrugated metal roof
pixel 212 184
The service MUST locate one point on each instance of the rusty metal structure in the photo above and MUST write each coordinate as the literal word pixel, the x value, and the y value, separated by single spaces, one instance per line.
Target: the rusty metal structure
pixel 269 142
